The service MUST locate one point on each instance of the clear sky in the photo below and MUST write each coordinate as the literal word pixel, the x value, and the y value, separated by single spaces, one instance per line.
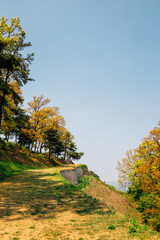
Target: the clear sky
pixel 99 61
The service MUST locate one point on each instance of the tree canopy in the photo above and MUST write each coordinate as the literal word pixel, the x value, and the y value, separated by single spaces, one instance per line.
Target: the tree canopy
pixel 140 173
pixel 14 66
pixel 40 127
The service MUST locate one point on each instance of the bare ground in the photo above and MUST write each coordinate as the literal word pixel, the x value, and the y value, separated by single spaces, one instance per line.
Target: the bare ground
pixel 38 205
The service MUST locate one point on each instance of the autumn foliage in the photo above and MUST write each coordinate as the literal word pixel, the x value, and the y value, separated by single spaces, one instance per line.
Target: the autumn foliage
pixel 39 127
pixel 144 177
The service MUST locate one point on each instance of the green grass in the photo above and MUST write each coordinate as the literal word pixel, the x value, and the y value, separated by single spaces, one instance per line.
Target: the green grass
pixel 10 157
pixel 44 188
pixel 14 159
pixel 112 227
pixel 9 168
pixel 47 194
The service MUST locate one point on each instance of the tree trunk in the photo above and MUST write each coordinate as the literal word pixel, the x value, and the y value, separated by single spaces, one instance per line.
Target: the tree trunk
pixel 0 113
pixel 65 149
pixel 31 148
pixel 49 154
pixel 41 146
pixel 3 95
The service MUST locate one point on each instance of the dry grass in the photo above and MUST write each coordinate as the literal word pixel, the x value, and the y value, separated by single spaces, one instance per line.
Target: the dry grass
pixel 113 199
pixel 40 204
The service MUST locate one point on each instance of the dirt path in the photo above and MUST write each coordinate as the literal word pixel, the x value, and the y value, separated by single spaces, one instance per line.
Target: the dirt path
pixel 37 205
pixel 31 207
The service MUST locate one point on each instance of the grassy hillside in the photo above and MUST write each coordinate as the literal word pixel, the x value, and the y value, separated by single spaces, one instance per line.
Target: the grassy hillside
pixel 14 159
pixel 41 204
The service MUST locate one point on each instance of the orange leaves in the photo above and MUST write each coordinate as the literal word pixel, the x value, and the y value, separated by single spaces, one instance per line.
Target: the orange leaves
pixel 143 177
pixel 149 175
pixel 155 134
pixel 43 118
pixel 149 154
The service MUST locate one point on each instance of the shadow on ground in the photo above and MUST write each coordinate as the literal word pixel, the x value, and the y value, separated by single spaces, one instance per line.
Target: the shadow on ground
pixel 39 193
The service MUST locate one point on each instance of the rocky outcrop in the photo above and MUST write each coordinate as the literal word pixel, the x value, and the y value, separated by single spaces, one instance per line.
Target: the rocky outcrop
pixel 72 175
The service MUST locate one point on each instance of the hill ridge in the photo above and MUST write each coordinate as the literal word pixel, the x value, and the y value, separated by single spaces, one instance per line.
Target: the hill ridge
pixel 41 204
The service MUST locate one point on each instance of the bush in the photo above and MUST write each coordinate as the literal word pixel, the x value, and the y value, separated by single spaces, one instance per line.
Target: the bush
pixel 2 144
pixel 132 229
pixel 112 227
pixel 95 175
pixel 8 145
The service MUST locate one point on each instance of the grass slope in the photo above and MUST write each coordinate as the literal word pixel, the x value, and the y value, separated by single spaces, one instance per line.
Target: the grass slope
pixel 15 159
pixel 41 204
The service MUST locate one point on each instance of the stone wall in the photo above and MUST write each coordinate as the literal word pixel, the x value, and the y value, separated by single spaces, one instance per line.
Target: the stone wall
pixel 72 175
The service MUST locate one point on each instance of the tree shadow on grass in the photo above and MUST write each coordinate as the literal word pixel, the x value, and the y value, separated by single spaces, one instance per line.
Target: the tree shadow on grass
pixel 39 194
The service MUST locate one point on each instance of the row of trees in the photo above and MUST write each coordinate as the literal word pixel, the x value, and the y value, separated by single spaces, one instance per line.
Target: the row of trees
pixel 139 172
pixel 39 127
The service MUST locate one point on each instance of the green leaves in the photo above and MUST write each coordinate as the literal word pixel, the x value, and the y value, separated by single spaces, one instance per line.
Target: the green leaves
pixel 14 66
pixel 141 172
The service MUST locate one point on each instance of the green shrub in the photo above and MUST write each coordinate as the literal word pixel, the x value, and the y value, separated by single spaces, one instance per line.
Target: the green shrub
pixel 112 227
pixel 132 229
pixel 2 145
pixel 83 166
pixel 110 187
pixel 83 182
pixel 95 175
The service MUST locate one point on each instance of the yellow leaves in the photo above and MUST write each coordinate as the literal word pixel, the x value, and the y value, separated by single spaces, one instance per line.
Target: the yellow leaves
pixel 43 118
pixel 149 175
pixel 3 24
pixel 12 32
pixel 141 171
pixel 16 87
pixel 148 162
pixel 37 103
pixel 126 169
pixel 9 125
pixel 14 67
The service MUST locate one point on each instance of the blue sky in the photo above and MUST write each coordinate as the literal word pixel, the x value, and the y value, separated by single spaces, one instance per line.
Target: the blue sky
pixel 99 61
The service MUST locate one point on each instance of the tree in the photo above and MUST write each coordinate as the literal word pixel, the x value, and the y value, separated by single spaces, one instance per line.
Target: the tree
pixel 21 120
pixel 141 172
pixel 126 170
pixel 67 139
pixel 147 179
pixel 70 148
pixel 13 65
pixel 40 115
pixel 53 142
pixel 8 126
pixel 72 153
pixel 42 118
